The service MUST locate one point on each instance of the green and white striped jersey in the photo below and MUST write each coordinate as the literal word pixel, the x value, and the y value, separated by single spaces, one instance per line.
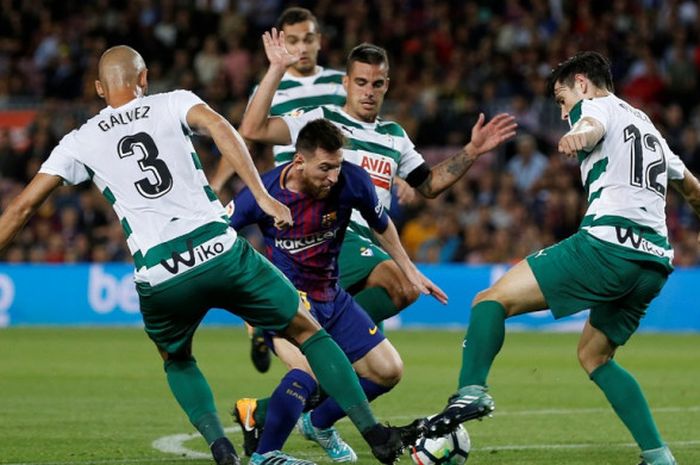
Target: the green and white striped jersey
pixel 626 177
pixel 382 148
pixel 140 156
pixel 324 87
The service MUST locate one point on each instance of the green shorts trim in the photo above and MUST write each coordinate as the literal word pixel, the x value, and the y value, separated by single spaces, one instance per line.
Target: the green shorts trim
pixel 581 272
pixel 240 281
pixel 358 257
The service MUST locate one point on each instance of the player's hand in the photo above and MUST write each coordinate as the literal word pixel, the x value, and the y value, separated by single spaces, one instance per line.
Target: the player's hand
pixel 570 144
pixel 427 287
pixel 488 136
pixel 276 51
pixel 404 192
pixel 278 211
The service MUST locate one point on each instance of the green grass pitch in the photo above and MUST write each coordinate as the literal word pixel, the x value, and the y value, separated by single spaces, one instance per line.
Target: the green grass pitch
pixel 99 396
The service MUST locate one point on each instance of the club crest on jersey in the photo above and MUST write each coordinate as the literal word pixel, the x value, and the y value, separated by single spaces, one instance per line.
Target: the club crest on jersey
pixel 328 219
pixel 379 169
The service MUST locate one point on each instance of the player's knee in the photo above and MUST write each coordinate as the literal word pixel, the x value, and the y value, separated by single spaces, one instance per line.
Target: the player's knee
pixel 486 295
pixel 590 360
pixel 493 295
pixel 405 296
pixel 390 374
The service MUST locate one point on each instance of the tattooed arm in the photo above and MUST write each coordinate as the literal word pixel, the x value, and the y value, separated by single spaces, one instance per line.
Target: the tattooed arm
pixel 484 138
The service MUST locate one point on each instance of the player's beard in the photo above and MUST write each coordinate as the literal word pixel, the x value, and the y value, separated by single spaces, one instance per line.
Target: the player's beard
pixel 314 190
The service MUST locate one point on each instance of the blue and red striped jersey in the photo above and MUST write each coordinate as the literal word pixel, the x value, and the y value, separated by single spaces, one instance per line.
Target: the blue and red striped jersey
pixel 307 253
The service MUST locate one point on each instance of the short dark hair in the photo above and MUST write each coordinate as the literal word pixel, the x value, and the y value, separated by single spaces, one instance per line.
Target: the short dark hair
pixel 593 65
pixel 319 133
pixel 367 53
pixel 296 15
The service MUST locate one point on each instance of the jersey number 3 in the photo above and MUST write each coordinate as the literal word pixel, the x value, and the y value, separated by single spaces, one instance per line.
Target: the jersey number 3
pixel 149 163
pixel 639 176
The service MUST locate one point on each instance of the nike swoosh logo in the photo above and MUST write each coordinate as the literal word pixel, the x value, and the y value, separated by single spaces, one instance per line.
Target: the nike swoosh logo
pixel 373 331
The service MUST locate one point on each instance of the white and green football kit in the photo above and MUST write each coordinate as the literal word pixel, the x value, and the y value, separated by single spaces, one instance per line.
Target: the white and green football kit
pixel 619 259
pixel 324 87
pixel 140 156
pixel 384 150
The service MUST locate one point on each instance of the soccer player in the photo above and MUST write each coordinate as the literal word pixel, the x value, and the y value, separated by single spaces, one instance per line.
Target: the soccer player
pixel 303 84
pixel 615 264
pixel 187 259
pixel 321 190
pixel 381 148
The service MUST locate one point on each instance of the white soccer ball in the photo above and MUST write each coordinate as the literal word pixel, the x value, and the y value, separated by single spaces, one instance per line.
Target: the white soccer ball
pixel 451 449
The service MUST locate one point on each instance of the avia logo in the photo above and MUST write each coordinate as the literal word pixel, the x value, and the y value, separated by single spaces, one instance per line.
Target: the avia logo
pixel 373 331
pixel 193 256
pixel 376 165
pixel 294 246
pixel 366 252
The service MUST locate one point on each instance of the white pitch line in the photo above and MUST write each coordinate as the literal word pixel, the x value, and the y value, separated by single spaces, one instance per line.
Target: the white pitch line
pixel 174 444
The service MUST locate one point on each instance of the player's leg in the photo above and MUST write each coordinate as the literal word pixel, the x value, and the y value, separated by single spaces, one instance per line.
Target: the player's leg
pixel 265 298
pixel 171 316
pixel 374 358
pixel 372 277
pixel 285 404
pixel 609 326
pixel 259 352
pixel 544 278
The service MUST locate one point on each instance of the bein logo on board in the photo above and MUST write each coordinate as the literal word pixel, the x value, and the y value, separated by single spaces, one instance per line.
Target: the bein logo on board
pixel 107 292
pixel 7 296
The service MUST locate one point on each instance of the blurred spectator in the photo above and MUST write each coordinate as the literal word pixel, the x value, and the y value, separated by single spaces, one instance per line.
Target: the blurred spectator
pixel 528 164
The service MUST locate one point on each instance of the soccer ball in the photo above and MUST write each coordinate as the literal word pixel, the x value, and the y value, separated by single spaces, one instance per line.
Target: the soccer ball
pixel 451 449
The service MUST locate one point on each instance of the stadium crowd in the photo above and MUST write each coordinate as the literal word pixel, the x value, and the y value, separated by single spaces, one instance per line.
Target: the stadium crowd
pixel 449 61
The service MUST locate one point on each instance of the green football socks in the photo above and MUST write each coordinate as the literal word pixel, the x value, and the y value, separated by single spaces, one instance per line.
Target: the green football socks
pixel 626 397
pixel 482 342
pixel 194 395
pixel 337 377
pixel 377 303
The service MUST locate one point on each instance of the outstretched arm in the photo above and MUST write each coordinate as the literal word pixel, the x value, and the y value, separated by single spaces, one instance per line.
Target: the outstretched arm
pixel 257 125
pixel 584 135
pixel 389 240
pixel 484 138
pixel 234 151
pixel 25 205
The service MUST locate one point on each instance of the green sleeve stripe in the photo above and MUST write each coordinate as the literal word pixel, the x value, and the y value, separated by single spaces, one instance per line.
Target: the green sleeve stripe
pixel 210 193
pixel 595 173
pixel 338 118
pixel 288 85
pixel 284 157
pixel 575 113
pixel 109 196
pixel 331 79
pixel 355 144
pixel 595 195
pixel 286 107
pixel 391 128
pixel 90 171
pixel 126 227
pixel 179 245
pixel 196 160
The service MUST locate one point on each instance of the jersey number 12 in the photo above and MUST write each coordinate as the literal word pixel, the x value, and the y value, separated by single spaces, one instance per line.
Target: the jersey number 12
pixel 639 176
